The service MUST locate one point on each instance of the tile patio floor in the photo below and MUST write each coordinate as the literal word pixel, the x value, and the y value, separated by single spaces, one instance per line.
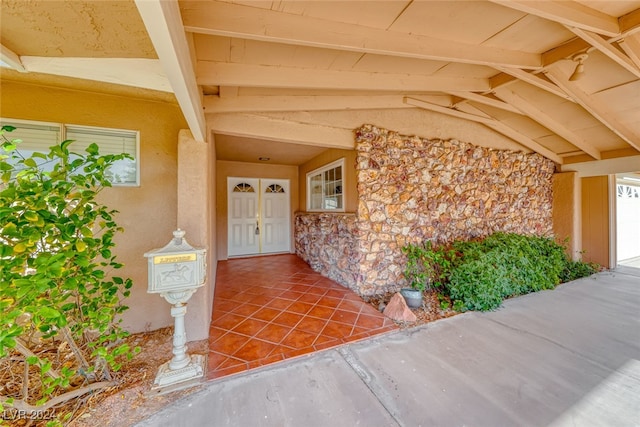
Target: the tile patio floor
pixel 271 308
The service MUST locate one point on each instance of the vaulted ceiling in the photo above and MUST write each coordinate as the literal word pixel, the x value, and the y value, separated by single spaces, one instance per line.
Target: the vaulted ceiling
pixel 309 72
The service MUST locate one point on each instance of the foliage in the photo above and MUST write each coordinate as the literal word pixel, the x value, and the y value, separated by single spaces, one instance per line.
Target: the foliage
pixel 576 269
pixel 503 265
pixel 426 266
pixel 480 274
pixel 56 288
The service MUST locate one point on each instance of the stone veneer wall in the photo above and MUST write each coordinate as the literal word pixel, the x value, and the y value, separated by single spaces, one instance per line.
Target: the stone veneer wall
pixel 412 189
pixel 328 243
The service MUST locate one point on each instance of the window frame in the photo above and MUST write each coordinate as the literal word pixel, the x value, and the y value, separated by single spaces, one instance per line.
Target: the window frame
pixel 320 171
pixel 63 136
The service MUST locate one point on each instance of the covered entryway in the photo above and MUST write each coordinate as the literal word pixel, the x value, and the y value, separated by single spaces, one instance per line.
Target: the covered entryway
pixel 271 308
pixel 258 216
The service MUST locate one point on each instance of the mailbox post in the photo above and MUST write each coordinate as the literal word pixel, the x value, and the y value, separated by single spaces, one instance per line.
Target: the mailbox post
pixel 176 271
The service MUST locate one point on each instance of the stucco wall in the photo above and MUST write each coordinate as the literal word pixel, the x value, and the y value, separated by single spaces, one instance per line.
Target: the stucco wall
pixel 147 212
pixel 196 180
pixel 595 220
pixel 413 189
pixel 567 218
pixel 225 169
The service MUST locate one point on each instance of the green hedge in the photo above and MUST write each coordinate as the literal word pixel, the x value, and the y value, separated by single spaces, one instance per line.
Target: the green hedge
pixel 482 273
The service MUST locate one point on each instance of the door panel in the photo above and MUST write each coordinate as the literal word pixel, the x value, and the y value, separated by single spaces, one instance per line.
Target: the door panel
pixel 243 195
pixel 258 216
pixel 275 215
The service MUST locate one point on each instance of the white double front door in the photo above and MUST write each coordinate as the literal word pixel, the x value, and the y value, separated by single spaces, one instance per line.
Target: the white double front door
pixel 258 216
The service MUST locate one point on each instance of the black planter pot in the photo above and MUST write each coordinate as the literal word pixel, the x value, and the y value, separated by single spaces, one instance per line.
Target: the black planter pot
pixel 413 297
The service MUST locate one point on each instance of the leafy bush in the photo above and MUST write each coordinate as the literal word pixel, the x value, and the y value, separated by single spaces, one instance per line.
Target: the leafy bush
pixel 503 265
pixel 426 266
pixel 576 269
pixel 480 274
pixel 58 302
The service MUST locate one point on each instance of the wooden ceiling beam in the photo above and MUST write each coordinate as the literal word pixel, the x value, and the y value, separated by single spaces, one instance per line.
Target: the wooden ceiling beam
pixel 490 122
pixel 220 18
pixel 607 49
pixel 631 46
pixel 215 104
pixel 247 75
pixel 564 51
pixel 446 110
pixel 567 13
pixel 228 91
pixel 135 72
pixel 606 166
pixel 630 23
pixel 606 155
pixel 10 58
pixel 534 113
pixel 534 80
pixel 597 109
pixel 483 99
pixel 164 26
pixel 279 130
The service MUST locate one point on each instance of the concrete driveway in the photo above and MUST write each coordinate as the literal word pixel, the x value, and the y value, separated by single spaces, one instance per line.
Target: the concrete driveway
pixel 567 357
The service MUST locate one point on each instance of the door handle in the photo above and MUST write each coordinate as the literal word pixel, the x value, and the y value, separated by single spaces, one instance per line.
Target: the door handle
pixel 257 228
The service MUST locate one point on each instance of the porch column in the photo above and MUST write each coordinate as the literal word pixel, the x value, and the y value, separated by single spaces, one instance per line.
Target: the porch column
pixel 567 221
pixel 195 186
pixel 596 220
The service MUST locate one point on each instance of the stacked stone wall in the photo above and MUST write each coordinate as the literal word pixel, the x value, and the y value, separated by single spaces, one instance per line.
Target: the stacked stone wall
pixel 412 189
pixel 328 243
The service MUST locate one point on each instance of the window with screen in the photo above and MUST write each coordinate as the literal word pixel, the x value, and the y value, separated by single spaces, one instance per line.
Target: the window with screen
pixel 39 136
pixel 325 188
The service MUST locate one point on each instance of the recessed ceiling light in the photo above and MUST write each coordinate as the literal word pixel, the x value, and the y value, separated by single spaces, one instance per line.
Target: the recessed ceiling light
pixel 264 159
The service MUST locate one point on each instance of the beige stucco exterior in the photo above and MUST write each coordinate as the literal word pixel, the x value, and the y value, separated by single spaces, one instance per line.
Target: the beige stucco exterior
pixel 196 216
pixel 225 169
pixel 596 220
pixel 147 213
pixel 567 216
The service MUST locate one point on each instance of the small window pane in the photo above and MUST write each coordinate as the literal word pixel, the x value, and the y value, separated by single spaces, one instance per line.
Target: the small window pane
pixel 243 187
pixel 38 137
pixel 35 137
pixel 274 188
pixel 325 188
pixel 109 141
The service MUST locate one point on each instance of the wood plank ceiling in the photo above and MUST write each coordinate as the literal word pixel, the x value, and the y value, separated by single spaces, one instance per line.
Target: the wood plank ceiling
pixel 308 72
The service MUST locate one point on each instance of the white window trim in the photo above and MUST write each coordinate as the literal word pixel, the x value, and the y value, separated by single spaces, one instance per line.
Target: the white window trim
pixel 321 170
pixel 63 136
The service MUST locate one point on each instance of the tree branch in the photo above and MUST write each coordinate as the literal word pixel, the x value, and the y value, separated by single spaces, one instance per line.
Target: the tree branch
pixel 22 405
pixel 24 350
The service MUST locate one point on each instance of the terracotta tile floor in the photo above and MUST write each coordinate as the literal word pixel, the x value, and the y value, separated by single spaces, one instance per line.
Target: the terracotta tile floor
pixel 271 308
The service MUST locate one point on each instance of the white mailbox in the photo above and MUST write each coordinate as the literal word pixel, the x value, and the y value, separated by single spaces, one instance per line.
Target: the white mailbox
pixel 176 272
pixel 176 267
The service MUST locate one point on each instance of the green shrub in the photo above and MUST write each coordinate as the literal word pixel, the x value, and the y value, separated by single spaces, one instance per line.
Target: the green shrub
pixel 504 265
pixel 59 301
pixel 427 266
pixel 576 269
pixel 480 274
